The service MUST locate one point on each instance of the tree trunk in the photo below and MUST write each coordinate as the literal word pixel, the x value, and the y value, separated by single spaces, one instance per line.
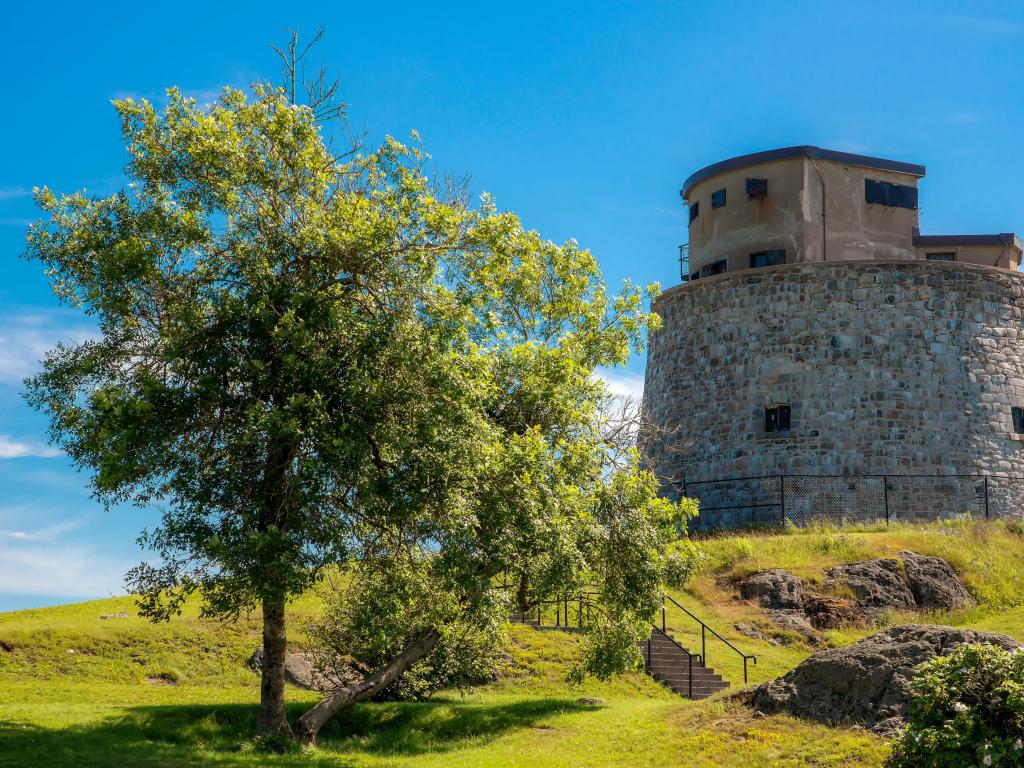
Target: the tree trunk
pixel 523 595
pixel 273 719
pixel 343 698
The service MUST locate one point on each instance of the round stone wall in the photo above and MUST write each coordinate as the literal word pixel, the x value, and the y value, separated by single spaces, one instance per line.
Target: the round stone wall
pixel 898 368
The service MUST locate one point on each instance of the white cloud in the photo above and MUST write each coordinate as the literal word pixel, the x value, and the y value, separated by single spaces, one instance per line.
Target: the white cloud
pixel 26 337
pixel 38 562
pixel 20 449
pixel 622 382
pixel 45 568
pixel 7 193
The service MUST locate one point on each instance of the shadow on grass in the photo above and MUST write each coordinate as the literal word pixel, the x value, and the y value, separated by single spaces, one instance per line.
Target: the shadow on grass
pixel 220 735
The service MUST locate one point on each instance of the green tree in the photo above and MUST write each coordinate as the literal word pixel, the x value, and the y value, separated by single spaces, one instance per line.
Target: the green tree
pixel 309 358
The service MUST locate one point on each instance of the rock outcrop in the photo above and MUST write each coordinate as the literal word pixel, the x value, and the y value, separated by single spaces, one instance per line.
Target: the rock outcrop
pixel 877 584
pixel 934 583
pixel 774 589
pixel 867 683
pixel 298 670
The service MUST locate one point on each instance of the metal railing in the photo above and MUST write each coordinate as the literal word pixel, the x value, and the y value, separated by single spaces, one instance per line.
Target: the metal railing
pixel 807 499
pixel 576 612
pixel 689 657
pixel 704 629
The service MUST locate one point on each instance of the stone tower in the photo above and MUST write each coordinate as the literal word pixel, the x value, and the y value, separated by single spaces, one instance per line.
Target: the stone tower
pixel 815 331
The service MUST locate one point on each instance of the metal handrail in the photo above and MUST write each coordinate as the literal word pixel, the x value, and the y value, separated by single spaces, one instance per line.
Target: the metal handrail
pixel 689 657
pixel 703 640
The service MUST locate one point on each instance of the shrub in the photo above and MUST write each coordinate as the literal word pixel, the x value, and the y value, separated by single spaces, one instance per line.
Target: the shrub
pixel 682 560
pixel 968 710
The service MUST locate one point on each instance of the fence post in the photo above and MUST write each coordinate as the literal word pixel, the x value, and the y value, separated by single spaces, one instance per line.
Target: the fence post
pixel 782 497
pixel 885 490
pixel 986 497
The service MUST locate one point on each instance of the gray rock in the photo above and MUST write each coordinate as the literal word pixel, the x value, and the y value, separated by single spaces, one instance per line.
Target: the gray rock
pixel 774 589
pixel 877 584
pixel 298 670
pixel 934 583
pixel 867 683
pixel 793 621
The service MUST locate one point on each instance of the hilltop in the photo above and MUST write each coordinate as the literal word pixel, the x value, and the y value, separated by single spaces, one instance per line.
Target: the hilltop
pixel 77 689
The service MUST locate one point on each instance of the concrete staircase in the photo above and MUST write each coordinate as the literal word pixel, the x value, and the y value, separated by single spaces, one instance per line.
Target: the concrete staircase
pixel 670 664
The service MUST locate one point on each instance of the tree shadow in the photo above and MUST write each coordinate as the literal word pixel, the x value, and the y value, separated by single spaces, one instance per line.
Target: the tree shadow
pixel 180 735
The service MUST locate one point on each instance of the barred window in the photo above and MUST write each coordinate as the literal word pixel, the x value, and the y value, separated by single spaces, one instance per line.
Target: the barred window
pixel 718 199
pixel 694 211
pixel 776 418
pixel 892 195
pixel 767 259
pixel 941 256
pixel 757 189
pixel 1018 419
pixel 714 268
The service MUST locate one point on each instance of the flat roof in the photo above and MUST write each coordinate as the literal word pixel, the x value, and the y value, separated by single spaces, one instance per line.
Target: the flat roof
pixel 805 150
pixel 1003 238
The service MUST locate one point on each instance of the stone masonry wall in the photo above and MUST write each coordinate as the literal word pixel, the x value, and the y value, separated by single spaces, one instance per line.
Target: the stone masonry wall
pixel 890 367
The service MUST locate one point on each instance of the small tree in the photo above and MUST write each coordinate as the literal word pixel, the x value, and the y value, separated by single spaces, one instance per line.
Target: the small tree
pixel 968 710
pixel 310 358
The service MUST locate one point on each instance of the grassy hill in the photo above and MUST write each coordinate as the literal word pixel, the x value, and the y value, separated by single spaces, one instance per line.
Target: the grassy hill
pixel 78 690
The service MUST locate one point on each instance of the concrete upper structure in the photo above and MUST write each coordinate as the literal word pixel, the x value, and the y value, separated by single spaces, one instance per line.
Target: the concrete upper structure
pixel 802 204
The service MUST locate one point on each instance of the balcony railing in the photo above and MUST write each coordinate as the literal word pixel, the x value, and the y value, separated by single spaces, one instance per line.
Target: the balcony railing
pixel 684 262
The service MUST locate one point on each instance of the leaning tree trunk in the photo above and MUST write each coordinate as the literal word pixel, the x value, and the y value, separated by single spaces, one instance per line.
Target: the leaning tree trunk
pixel 343 698
pixel 273 719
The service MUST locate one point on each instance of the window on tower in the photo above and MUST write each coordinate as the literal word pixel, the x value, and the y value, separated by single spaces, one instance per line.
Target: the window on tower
pixel 767 258
pixel 694 211
pixel 776 418
pixel 757 189
pixel 891 195
pixel 1018 419
pixel 718 199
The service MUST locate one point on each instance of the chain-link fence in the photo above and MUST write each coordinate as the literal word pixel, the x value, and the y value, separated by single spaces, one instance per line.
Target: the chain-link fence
pixel 804 500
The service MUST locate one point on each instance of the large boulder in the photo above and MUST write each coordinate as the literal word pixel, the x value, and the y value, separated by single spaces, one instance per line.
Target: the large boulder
pixel 877 584
pixel 298 670
pixel 867 683
pixel 934 583
pixel 774 589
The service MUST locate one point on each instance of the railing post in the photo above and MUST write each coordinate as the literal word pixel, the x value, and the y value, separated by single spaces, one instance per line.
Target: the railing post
pixel 648 654
pixel 986 497
pixel 744 670
pixel 663 627
pixel 885 492
pixel 558 613
pixel 690 681
pixel 538 614
pixel 581 610
pixel 703 646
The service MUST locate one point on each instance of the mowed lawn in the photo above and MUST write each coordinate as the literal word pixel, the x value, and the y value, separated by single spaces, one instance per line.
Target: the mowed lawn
pixel 77 690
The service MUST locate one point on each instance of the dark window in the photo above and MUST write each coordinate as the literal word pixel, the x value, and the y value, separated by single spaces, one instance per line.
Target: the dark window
pixel 891 195
pixel 767 259
pixel 718 199
pixel 694 211
pixel 776 418
pixel 695 276
pixel 715 268
pixel 941 256
pixel 757 189
pixel 1018 419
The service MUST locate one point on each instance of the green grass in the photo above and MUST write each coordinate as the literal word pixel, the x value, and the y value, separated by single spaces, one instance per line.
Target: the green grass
pixel 76 690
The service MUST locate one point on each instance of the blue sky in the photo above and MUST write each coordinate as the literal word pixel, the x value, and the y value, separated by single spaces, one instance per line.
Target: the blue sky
pixel 582 117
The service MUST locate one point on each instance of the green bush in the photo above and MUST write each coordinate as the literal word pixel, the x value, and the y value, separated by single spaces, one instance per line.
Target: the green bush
pixel 683 559
pixel 968 710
